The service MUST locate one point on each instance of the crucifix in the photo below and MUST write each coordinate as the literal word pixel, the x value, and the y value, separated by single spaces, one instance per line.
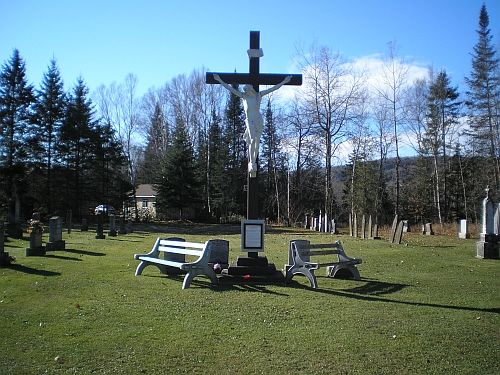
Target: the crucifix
pixel 251 100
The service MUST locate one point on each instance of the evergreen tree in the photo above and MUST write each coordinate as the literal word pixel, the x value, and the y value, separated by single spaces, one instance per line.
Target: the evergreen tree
pixel 217 182
pixel 157 142
pixel 273 169
pixel 50 111
pixel 443 113
pixel 483 97
pixel 237 160
pixel 16 100
pixel 178 187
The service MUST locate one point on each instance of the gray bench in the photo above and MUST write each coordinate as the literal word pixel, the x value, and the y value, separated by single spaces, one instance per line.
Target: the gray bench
pixel 174 252
pixel 299 254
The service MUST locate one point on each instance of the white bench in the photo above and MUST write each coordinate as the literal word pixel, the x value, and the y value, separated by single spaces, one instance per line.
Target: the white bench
pixel 299 254
pixel 171 249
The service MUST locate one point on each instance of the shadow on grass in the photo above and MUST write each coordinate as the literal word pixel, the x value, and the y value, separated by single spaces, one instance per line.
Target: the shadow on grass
pixel 32 271
pixel 206 284
pixel 83 252
pixel 373 289
pixel 62 257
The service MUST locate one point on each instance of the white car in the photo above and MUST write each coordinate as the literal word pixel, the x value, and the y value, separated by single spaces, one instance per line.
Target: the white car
pixel 104 209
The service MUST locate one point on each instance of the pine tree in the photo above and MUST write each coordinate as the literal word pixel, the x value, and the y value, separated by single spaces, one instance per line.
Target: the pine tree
pixel 50 111
pixel 272 162
pixel 443 113
pixel 237 160
pixel 217 182
pixel 483 97
pixel 16 100
pixel 157 142
pixel 179 186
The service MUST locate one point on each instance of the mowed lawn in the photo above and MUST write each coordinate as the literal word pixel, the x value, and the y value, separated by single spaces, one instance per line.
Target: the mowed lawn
pixel 427 306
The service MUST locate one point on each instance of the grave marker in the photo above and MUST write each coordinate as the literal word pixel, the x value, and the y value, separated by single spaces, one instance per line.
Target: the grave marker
pixel 112 226
pixel 100 228
pixel 393 229
pixel 55 235
pixel 487 246
pixel 4 256
pixel 464 229
pixel 121 222
pixel 36 247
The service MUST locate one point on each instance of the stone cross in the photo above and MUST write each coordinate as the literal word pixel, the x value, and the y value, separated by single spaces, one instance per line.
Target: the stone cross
pixel 254 78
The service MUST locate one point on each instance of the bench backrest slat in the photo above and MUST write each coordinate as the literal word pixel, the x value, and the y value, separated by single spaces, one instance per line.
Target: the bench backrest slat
pixel 305 249
pixel 181 247
pixel 180 250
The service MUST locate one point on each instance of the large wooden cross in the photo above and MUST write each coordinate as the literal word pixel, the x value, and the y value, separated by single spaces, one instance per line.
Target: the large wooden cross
pixel 255 78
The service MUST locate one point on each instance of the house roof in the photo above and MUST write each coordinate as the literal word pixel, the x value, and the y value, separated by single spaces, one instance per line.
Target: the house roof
pixel 145 190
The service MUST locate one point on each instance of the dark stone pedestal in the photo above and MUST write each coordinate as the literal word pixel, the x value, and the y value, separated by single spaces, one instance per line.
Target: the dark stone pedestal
pixel 487 246
pixel 35 251
pixel 5 259
pixel 251 270
pixel 14 230
pixel 55 245
pixel 112 233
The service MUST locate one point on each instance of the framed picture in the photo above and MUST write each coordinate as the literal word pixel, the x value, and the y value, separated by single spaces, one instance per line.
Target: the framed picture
pixel 252 235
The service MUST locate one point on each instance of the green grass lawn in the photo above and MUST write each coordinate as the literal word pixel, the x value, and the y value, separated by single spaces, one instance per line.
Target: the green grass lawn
pixel 427 307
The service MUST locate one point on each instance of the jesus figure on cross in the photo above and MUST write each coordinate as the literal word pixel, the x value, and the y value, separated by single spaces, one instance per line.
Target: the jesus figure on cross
pixel 254 122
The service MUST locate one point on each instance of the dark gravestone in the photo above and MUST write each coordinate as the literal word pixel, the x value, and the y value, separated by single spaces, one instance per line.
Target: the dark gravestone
pixel 129 226
pixel 85 226
pixel 112 226
pixel 375 232
pixel 219 255
pixel 4 256
pixel 100 228
pixel 122 229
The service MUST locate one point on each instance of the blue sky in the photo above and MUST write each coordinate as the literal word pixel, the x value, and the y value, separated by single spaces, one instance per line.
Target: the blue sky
pixel 156 40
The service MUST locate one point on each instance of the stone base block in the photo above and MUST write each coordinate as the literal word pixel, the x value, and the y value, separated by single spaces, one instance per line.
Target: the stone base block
pixel 14 230
pixel 487 250
pixel 237 270
pixel 226 278
pixel 56 245
pixel 35 251
pixel 112 233
pixel 252 262
pixel 464 235
pixel 4 259
pixel 100 237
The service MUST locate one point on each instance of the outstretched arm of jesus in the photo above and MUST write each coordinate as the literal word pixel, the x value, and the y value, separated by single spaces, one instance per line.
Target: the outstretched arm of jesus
pixel 229 87
pixel 274 88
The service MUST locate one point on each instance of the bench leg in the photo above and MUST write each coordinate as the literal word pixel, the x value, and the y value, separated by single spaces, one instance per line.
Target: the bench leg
pixel 193 273
pixel 303 271
pixel 143 264
pixel 332 270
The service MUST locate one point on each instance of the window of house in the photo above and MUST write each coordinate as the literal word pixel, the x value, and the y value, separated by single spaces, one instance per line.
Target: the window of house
pixel 144 203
